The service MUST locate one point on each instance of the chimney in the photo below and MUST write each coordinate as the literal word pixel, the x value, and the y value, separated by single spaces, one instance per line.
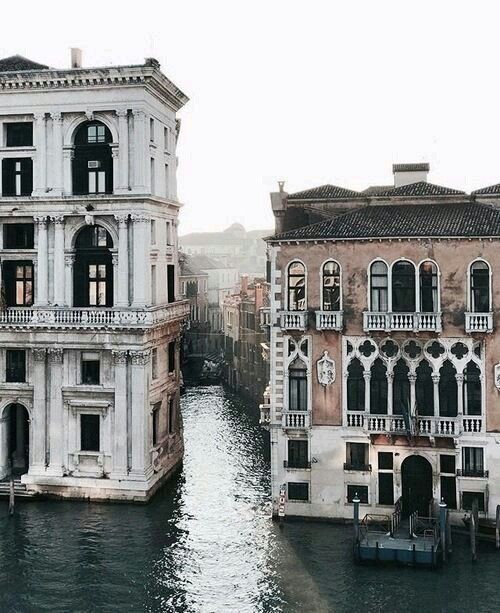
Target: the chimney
pixel 279 204
pixel 404 174
pixel 244 284
pixel 76 57
pixel 259 295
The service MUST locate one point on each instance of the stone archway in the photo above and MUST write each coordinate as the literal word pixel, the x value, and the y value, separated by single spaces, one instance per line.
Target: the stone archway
pixel 416 482
pixel 14 440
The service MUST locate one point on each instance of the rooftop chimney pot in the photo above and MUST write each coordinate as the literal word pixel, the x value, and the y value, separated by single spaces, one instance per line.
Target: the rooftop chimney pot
pixel 76 57
pixel 404 174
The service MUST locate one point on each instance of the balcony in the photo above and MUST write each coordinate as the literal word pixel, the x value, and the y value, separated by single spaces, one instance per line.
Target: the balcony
pixel 91 318
pixel 265 415
pixel 295 420
pixel 329 320
pixel 265 317
pixel 478 322
pixel 425 426
pixel 297 465
pixel 293 320
pixel 476 473
pixel 408 322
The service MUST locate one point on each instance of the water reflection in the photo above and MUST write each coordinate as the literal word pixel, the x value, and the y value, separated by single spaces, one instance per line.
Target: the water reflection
pixel 206 544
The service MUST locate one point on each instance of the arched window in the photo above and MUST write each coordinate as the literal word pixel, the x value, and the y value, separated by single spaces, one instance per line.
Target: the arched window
pixel 403 287
pixel 93 161
pixel 331 286
pixel 379 287
pixel 448 390
pixel 472 389
pixel 428 276
pixel 424 389
pixel 378 388
pixel 296 287
pixel 93 270
pixel 480 287
pixel 401 389
pixel 355 386
pixel 297 386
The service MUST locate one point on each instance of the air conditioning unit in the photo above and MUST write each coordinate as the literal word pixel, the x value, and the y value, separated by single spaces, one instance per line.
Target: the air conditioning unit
pixel 93 164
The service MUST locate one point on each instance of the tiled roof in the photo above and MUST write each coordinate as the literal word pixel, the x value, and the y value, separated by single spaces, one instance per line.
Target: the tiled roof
pixel 324 192
pixel 15 63
pixel 188 267
pixel 491 189
pixel 421 188
pixel 399 220
pixel 375 190
pixel 203 262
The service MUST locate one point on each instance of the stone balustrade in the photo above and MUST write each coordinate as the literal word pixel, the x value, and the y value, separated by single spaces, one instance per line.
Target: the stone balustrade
pixel 293 320
pixel 298 420
pixel 478 322
pixel 425 425
pixel 409 322
pixel 91 317
pixel 329 320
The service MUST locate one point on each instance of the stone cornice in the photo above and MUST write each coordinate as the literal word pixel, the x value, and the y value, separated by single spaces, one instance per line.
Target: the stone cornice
pixel 85 78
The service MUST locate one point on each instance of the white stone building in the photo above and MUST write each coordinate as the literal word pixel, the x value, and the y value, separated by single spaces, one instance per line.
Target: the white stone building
pixel 90 319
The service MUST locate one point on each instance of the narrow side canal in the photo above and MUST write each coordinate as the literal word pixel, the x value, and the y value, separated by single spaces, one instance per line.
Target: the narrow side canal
pixel 206 544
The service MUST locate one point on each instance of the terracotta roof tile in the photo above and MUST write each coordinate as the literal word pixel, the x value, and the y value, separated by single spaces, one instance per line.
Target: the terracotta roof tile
pixel 491 189
pixel 325 192
pixel 15 63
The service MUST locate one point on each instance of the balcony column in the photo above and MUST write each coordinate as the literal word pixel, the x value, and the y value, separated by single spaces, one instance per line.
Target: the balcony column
pixel 412 378
pixel 460 399
pixel 123 274
pixel 141 274
pixel 42 261
pixel 140 414
pixel 390 399
pixel 68 156
pixel 57 147
pixel 121 426
pixel 139 151
pixel 116 276
pixel 367 377
pixel 122 184
pixel 56 434
pixel 59 260
pixel 39 413
pixel 41 155
pixel 435 381
pixel 69 262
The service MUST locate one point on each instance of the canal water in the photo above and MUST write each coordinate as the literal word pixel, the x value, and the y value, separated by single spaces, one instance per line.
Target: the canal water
pixel 206 543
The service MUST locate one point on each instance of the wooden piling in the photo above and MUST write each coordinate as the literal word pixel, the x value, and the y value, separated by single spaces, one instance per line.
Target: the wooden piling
pixel 473 537
pixel 448 532
pixel 497 527
pixel 11 496
pixel 442 528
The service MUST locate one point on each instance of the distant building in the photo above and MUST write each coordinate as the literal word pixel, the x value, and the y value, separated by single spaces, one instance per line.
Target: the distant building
pixel 244 339
pixel 90 319
pixel 194 287
pixel 385 348
pixel 235 247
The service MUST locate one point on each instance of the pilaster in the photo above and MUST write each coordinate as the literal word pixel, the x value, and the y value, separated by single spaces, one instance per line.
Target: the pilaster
pixel 139 384
pixel 59 277
pixel 123 273
pixel 57 148
pixel 41 287
pixel 121 426
pixel 40 184
pixel 39 415
pixel 56 432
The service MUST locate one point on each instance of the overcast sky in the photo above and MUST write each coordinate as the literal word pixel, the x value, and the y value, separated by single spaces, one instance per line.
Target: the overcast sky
pixel 310 92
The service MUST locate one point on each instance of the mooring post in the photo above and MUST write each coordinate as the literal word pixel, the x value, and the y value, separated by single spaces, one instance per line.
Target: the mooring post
pixel 448 531
pixel 11 496
pixel 473 536
pixel 497 528
pixel 442 527
pixel 356 502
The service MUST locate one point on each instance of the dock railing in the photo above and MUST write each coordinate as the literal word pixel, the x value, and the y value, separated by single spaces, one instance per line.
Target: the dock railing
pixel 396 516
pixel 374 523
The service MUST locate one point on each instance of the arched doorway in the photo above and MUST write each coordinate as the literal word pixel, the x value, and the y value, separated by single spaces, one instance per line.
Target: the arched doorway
pixel 416 481
pixel 15 440
pixel 93 268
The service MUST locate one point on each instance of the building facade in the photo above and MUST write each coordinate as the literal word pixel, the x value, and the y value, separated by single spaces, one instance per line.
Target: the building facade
pixel 194 288
pixel 385 349
pixel 91 319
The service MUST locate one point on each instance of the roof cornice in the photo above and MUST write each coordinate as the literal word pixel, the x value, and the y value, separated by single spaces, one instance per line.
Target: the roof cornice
pixel 79 78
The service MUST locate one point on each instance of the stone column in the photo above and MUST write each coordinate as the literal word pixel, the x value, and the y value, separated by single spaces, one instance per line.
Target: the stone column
pixel 56 432
pixel 123 183
pixel 460 399
pixel 116 169
pixel 140 411
pixel 68 156
pixel 57 145
pixel 122 299
pixel 367 377
pixel 412 378
pixel 121 426
pixel 59 260
pixel 139 151
pixel 39 414
pixel 435 380
pixel 114 262
pixel 41 287
pixel 4 444
pixel 69 261
pixel 141 273
pixel 390 399
pixel 41 154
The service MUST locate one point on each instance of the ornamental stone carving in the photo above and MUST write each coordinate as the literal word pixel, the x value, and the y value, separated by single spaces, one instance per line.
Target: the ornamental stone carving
pixel 119 356
pixel 56 355
pixel 121 220
pixel 497 376
pixel 140 218
pixel 326 370
pixel 39 354
pixel 56 117
pixel 40 220
pixel 139 358
pixel 57 219
pixel 121 113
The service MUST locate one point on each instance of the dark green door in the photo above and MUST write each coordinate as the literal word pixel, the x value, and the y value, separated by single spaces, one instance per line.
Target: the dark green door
pixel 416 477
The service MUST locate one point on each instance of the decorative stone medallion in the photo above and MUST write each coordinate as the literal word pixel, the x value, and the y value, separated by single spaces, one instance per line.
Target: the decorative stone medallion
pixel 326 370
